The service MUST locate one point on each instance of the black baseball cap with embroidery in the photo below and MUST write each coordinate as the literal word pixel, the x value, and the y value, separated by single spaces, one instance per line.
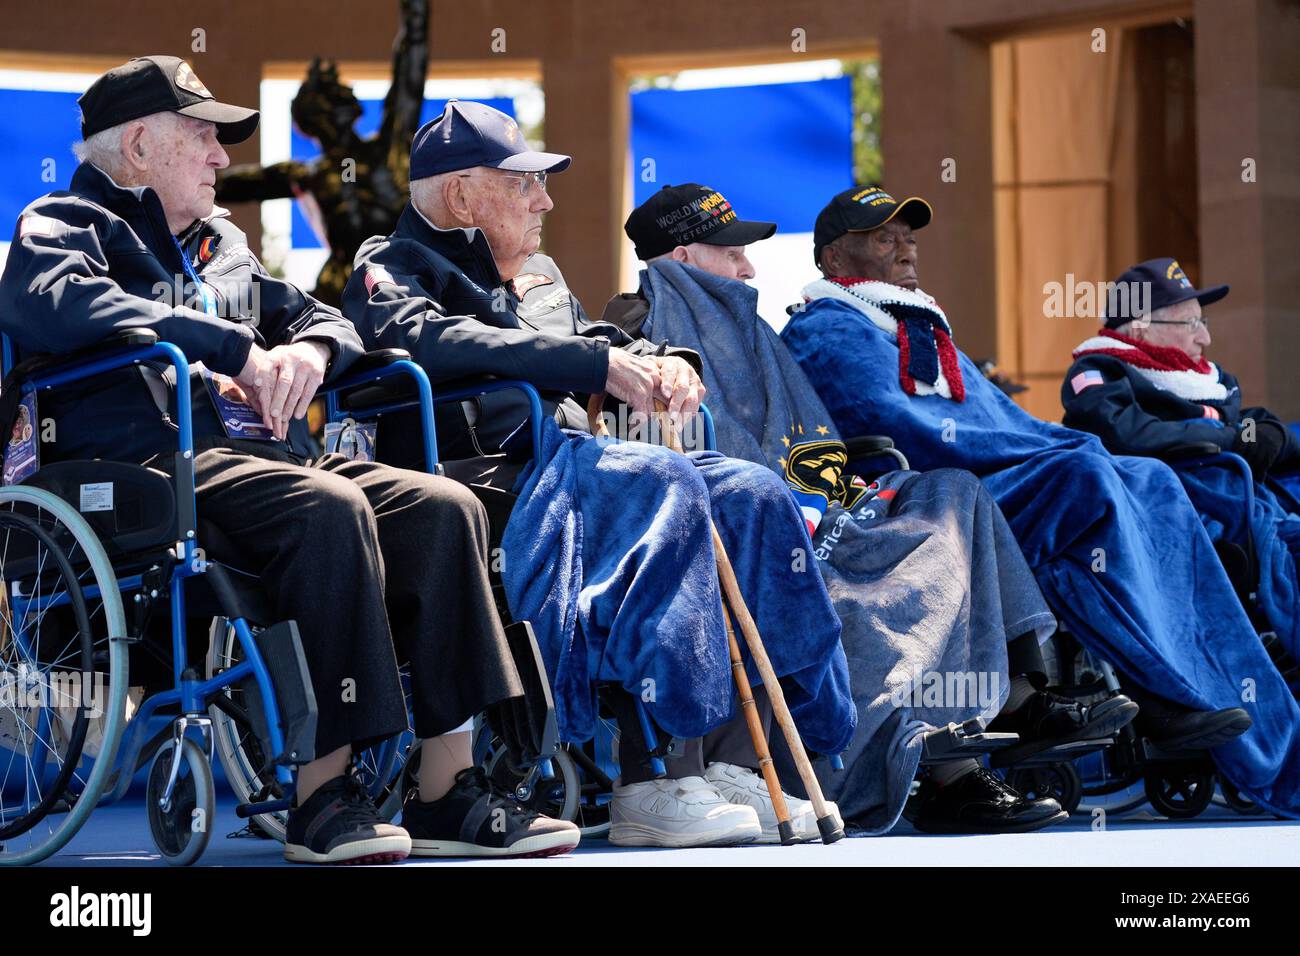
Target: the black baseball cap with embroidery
pixel 1164 284
pixel 862 209
pixel 159 84
pixel 679 215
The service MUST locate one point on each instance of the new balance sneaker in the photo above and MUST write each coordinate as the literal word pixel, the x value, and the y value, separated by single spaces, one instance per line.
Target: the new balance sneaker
pixel 741 785
pixel 339 824
pixel 678 813
pixel 474 818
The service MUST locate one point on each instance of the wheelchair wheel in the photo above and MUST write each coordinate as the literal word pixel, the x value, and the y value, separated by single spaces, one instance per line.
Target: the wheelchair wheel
pixel 1060 781
pixel 182 828
pixel 1237 800
pixel 556 797
pixel 1179 793
pixel 242 755
pixel 63 673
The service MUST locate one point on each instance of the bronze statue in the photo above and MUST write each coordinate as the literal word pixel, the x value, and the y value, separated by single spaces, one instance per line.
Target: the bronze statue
pixel 359 184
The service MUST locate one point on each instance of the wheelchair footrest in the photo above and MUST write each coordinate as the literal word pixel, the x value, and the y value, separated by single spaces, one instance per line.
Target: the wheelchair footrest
pixel 1061 753
pixel 281 649
pixel 246 810
pixel 527 724
pixel 963 741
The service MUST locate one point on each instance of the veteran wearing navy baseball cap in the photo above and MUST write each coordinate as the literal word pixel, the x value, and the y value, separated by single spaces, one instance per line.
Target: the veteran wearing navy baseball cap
pixel 1161 284
pixel 1144 385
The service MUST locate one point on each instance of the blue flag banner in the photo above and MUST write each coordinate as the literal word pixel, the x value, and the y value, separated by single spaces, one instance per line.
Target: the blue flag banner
pixel 744 139
pixel 38 128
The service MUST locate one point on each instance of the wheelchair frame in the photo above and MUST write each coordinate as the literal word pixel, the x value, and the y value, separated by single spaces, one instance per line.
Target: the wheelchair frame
pixel 192 695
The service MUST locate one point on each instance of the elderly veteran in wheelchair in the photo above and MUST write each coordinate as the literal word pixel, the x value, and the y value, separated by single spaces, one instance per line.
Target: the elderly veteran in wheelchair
pixel 608 550
pixel 1144 386
pixel 362 556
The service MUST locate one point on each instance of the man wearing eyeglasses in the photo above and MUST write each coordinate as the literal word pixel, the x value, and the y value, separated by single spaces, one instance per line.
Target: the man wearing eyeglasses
pixel 608 550
pixel 1143 383
pixel 1144 386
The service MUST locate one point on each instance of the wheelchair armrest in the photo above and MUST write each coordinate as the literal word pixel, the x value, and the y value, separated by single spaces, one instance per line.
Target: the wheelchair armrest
pixel 1187 451
pixel 121 341
pixel 865 446
pixel 373 361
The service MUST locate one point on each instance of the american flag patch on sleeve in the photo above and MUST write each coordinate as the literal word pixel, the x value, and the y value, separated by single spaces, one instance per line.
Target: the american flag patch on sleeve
pixel 375 276
pixel 34 224
pixel 1086 380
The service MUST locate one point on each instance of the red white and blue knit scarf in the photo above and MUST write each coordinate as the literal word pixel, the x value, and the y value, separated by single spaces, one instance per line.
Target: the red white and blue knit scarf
pixel 927 358
pixel 1170 369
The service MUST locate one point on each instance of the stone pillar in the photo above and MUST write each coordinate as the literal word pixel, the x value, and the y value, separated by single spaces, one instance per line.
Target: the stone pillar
pixel 1248 108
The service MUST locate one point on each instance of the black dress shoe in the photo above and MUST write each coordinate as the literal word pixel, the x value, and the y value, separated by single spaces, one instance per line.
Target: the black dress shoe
pixel 1195 729
pixel 979 802
pixel 1047 720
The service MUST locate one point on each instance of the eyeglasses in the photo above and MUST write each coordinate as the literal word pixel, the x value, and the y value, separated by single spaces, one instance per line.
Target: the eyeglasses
pixel 526 180
pixel 1194 325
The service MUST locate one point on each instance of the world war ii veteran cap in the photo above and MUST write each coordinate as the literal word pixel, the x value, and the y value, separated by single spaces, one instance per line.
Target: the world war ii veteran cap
pixel 862 209
pixel 159 84
pixel 679 215
pixel 471 134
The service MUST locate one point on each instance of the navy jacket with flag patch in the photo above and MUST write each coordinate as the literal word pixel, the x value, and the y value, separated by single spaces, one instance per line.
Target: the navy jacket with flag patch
pixel 437 293
pixel 1132 416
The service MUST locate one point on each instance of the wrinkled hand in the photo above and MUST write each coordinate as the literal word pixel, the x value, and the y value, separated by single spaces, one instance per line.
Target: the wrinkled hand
pixel 680 387
pixel 281 383
pixel 633 380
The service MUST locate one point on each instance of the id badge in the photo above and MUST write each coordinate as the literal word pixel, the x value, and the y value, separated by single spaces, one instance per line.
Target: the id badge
pixel 355 440
pixel 237 416
pixel 22 456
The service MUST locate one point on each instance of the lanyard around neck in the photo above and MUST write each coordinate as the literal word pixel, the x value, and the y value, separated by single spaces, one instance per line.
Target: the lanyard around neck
pixel 209 298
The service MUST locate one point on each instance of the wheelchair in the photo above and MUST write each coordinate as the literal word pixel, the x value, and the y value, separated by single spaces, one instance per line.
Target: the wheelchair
pixel 86 541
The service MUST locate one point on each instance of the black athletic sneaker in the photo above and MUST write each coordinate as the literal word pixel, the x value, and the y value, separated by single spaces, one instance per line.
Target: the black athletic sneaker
pixel 339 824
pixel 476 819
pixel 979 802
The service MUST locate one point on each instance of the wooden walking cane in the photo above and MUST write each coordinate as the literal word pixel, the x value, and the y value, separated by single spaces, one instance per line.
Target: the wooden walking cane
pixel 734 603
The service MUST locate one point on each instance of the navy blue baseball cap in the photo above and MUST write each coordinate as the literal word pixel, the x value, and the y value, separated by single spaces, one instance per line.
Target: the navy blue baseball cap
pixel 1168 285
pixel 471 134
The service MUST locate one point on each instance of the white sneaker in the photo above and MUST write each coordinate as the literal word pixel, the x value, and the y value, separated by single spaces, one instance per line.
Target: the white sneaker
pixel 741 785
pixel 678 813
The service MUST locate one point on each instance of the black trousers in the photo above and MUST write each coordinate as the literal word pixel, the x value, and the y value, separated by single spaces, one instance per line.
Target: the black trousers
pixel 367 558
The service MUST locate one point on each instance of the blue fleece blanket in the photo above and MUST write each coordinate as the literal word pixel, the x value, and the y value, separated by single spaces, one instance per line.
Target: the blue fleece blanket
pixel 763 407
pixel 930 585
pixel 608 553
pixel 1116 545
pixel 1219 494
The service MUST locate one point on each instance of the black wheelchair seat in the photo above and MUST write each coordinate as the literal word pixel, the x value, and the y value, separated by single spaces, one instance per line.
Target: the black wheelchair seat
pixel 131 508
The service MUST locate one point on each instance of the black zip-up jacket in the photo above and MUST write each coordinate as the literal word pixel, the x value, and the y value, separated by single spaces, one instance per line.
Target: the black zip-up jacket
pixel 1132 416
pixel 99 258
pixel 437 293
